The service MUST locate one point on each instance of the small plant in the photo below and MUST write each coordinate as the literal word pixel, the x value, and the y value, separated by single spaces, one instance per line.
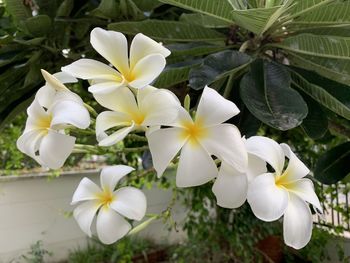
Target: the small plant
pixel 37 253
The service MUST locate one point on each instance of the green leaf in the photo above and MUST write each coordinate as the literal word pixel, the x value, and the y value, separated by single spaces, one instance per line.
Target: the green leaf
pixel 315 124
pixel 18 10
pixel 336 69
pixel 38 26
pixel 333 14
pixel 107 9
pixel 65 8
pixel 316 45
pixel 182 52
pixel 175 74
pixel 204 20
pixel 341 31
pixel 334 102
pixel 147 5
pixel 254 20
pixel 333 165
pixel 217 66
pixel 168 30
pixel 220 9
pixel 248 124
pixel 266 92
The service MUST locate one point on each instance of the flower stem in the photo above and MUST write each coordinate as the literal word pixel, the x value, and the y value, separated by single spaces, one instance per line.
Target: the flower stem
pixel 91 110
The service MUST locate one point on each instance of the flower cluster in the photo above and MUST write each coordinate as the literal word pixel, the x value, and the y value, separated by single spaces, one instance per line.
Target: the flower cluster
pixel 203 145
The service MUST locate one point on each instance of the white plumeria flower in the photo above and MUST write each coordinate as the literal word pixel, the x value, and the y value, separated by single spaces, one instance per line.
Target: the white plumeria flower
pixel 231 186
pixel 152 107
pixel 199 139
pixel 146 62
pixel 54 83
pixel 43 138
pixel 110 205
pixel 282 192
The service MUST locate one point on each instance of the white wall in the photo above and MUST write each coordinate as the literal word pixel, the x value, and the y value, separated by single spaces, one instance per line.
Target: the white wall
pixel 32 208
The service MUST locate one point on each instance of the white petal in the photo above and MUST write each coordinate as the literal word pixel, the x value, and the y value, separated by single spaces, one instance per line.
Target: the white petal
pixel 113 46
pixel 105 87
pixel 214 109
pixel 268 150
pixel 160 108
pixel 109 119
pixel 304 188
pixel 130 202
pixel 65 77
pixel 142 46
pixel 92 69
pixel 230 188
pixel 296 169
pixel 146 70
pixel 29 142
pixel 297 223
pixel 144 92
pixel 45 95
pixel 225 142
pixel 183 118
pixel 256 167
pixel 267 201
pixel 36 112
pixel 70 112
pixel 116 136
pixel 67 95
pixel 111 175
pixel 53 81
pixel 84 214
pixel 122 100
pixel 86 190
pixel 55 149
pixel 164 144
pixel 110 226
pixel 196 167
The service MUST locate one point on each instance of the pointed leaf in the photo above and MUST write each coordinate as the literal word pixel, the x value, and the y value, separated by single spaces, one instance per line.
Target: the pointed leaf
pixel 217 66
pixel 168 30
pixel 204 20
pixel 333 165
pixel 266 92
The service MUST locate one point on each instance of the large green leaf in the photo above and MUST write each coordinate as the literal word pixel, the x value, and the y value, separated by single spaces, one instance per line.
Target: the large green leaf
pixel 266 92
pixel 18 10
pixel 333 14
pixel 168 30
pixel 38 26
pixel 183 51
pixel 175 74
pixel 335 98
pixel 341 31
pixel 254 20
pixel 204 20
pixel 333 165
pixel 315 124
pixel 217 66
pixel 221 9
pixel 316 45
pixel 336 69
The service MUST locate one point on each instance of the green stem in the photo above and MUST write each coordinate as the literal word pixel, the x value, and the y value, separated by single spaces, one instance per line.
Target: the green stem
pixel 229 86
pixel 136 137
pixel 91 110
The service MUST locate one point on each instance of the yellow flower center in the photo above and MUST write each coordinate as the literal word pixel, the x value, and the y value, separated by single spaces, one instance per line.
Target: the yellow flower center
pixel 129 76
pixel 44 123
pixel 194 131
pixel 138 118
pixel 105 198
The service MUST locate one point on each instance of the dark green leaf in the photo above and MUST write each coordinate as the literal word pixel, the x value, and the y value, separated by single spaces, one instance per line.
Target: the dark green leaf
pixel 333 166
pixel 38 26
pixel 65 8
pixel 266 92
pixel 217 66
pixel 204 20
pixel 168 30
pixel 315 124
pixel 248 124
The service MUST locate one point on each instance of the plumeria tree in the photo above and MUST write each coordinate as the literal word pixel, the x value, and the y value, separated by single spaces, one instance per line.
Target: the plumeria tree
pixel 195 101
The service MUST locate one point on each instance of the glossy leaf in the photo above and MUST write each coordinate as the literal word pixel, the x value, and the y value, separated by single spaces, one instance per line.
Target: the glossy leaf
pixel 335 99
pixel 220 9
pixel 217 66
pixel 333 165
pixel 168 30
pixel 175 74
pixel 266 92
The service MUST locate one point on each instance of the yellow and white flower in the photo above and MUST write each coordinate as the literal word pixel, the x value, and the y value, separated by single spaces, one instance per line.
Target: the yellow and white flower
pixel 110 205
pixel 282 192
pixel 198 139
pixel 145 63
pixel 151 107
pixel 43 138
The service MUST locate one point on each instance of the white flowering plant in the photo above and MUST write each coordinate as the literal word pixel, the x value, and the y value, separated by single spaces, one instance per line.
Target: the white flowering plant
pixel 194 104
